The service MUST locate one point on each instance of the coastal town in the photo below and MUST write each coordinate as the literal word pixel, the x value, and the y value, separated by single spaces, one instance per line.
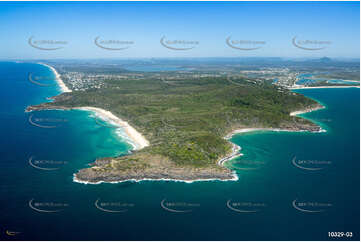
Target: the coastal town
pixel 289 76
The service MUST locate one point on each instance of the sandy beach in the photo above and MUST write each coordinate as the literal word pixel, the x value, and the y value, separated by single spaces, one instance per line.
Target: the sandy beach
pixel 137 138
pixel 246 130
pixel 60 82
pixel 235 153
pixel 305 111
pixel 235 150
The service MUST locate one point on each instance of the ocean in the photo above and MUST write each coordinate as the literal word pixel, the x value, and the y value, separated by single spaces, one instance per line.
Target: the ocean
pixel 292 185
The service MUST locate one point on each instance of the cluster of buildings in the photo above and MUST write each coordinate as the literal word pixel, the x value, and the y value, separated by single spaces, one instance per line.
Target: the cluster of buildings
pixel 280 76
pixel 78 81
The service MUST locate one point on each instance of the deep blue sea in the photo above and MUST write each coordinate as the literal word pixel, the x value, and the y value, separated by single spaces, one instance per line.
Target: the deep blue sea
pixel 292 186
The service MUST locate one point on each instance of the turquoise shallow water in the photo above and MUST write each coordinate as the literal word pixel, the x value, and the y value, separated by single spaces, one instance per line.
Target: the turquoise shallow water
pixel 307 79
pixel 268 183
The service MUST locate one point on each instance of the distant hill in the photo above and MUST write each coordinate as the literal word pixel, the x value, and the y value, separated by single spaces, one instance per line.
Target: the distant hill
pixel 325 59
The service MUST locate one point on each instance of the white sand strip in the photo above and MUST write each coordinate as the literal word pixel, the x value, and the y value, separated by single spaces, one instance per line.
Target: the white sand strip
pixel 139 140
pixel 60 82
pixel 307 110
pixel 351 81
pixel 136 137
pixel 246 130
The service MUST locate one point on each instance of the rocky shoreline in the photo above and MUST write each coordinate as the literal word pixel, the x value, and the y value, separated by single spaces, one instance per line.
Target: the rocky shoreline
pixel 164 172
pixel 88 176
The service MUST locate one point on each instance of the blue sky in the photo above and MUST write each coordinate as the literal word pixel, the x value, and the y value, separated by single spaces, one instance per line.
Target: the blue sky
pixel 208 23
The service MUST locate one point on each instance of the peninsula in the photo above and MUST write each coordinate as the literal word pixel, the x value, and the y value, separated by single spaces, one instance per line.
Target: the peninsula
pixel 181 127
